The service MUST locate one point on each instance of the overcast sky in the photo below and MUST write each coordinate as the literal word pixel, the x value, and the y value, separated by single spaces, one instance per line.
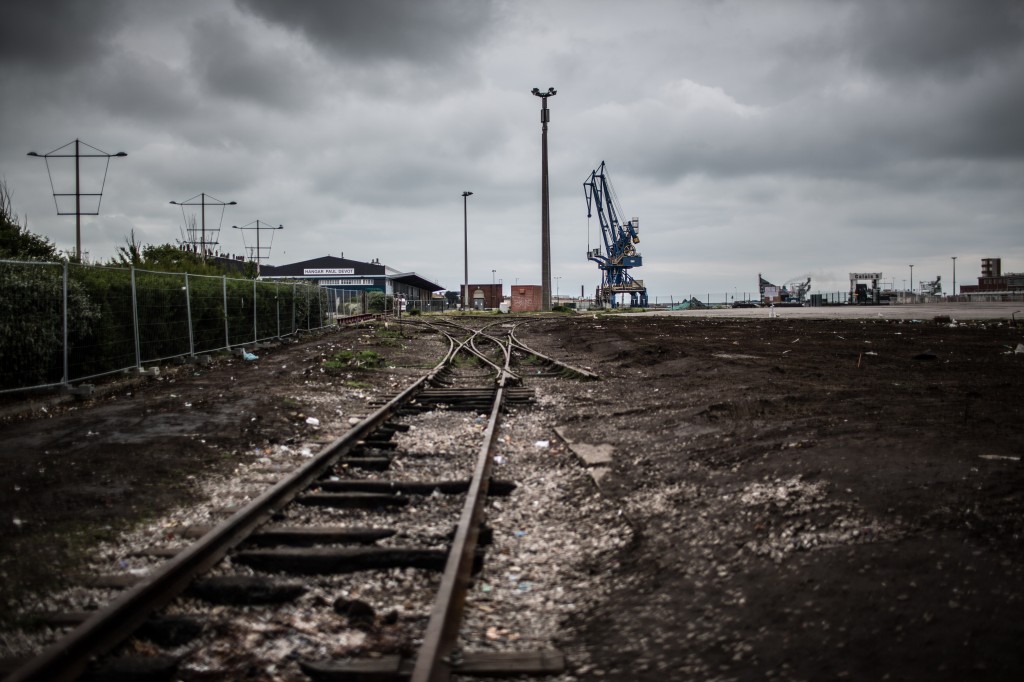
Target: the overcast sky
pixel 787 138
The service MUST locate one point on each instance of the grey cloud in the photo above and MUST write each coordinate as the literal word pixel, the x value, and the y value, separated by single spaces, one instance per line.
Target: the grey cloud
pixel 50 35
pixel 136 87
pixel 416 32
pixel 229 65
pixel 938 38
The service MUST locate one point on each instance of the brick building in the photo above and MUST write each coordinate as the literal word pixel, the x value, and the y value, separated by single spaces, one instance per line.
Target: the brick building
pixel 993 280
pixel 526 298
pixel 483 296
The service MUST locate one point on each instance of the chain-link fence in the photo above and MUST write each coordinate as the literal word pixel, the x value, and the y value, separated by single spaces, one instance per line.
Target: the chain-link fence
pixel 63 322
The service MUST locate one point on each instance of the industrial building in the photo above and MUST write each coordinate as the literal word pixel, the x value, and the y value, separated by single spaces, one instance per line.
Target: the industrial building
pixel 527 298
pixel 350 280
pixel 993 281
pixel 483 296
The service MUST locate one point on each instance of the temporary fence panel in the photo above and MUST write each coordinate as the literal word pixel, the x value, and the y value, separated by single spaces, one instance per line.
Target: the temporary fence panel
pixel 162 311
pixel 32 324
pixel 107 344
pixel 206 308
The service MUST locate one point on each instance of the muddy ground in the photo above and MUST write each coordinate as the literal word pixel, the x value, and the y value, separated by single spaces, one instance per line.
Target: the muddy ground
pixel 811 499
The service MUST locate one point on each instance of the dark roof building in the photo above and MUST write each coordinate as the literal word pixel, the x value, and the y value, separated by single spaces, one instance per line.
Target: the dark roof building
pixel 352 276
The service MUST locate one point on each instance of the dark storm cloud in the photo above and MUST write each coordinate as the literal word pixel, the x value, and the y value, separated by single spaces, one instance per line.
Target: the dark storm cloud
pixel 416 32
pixel 229 64
pixel 54 35
pixel 940 38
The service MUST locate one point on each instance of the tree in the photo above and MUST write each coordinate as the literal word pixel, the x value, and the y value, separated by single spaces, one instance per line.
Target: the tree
pixel 452 297
pixel 16 242
pixel 130 253
pixel 378 302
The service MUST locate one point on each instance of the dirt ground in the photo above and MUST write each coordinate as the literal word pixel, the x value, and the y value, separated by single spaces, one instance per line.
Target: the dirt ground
pixel 811 499
pixel 814 499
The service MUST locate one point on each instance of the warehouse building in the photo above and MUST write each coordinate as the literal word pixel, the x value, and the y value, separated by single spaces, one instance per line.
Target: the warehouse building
pixel 994 284
pixel 350 281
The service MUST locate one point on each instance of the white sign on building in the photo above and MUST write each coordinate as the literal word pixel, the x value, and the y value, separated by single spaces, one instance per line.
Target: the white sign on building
pixel 329 271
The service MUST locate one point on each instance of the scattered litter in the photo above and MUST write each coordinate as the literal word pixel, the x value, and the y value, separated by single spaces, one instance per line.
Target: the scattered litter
pixel 498 459
pixel 312 421
pixel 1008 458
pixel 1019 349
pixel 246 355
pixel 870 352
pixel 92 433
pixel 542 444
pixel 354 420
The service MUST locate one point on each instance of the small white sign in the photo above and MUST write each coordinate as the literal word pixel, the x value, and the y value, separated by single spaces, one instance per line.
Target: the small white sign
pixel 329 271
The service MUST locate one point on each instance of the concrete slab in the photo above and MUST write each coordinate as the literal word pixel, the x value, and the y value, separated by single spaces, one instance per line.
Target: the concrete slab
pixel 590 454
pixel 594 455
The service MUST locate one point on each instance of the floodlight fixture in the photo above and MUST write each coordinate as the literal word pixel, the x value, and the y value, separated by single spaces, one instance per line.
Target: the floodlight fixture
pixel 78 154
pixel 259 253
pixel 204 200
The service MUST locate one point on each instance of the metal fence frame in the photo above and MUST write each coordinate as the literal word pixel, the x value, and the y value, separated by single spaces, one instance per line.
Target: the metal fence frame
pixel 104 320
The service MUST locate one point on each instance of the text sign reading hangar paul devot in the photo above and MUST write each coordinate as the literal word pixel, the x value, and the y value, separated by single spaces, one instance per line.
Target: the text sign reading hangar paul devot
pixel 329 271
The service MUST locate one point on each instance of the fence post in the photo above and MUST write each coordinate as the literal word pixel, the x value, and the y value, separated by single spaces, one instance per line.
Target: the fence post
pixel 293 308
pixel 227 333
pixel 319 307
pixel 255 325
pixel 135 321
pixel 67 375
pixel 188 312
pixel 277 302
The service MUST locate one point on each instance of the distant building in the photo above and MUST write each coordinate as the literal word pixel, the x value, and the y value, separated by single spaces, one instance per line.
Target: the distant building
pixel 351 280
pixel 993 280
pixel 483 296
pixel 526 298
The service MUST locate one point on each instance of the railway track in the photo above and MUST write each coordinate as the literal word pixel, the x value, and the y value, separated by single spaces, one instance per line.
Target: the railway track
pixel 353 507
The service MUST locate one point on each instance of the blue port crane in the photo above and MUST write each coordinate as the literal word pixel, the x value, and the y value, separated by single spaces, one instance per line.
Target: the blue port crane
pixel 620 240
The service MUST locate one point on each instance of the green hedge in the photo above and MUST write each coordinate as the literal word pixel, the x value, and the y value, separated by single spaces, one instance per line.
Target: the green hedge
pixel 101 318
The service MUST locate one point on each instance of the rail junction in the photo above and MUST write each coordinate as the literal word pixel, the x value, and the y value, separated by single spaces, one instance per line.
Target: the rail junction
pixel 480 373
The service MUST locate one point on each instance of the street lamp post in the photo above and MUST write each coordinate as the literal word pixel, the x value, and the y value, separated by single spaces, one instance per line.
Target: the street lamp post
pixel 911 278
pixel 954 274
pixel 558 282
pixel 257 255
pixel 465 242
pixel 204 201
pixel 78 194
pixel 545 219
